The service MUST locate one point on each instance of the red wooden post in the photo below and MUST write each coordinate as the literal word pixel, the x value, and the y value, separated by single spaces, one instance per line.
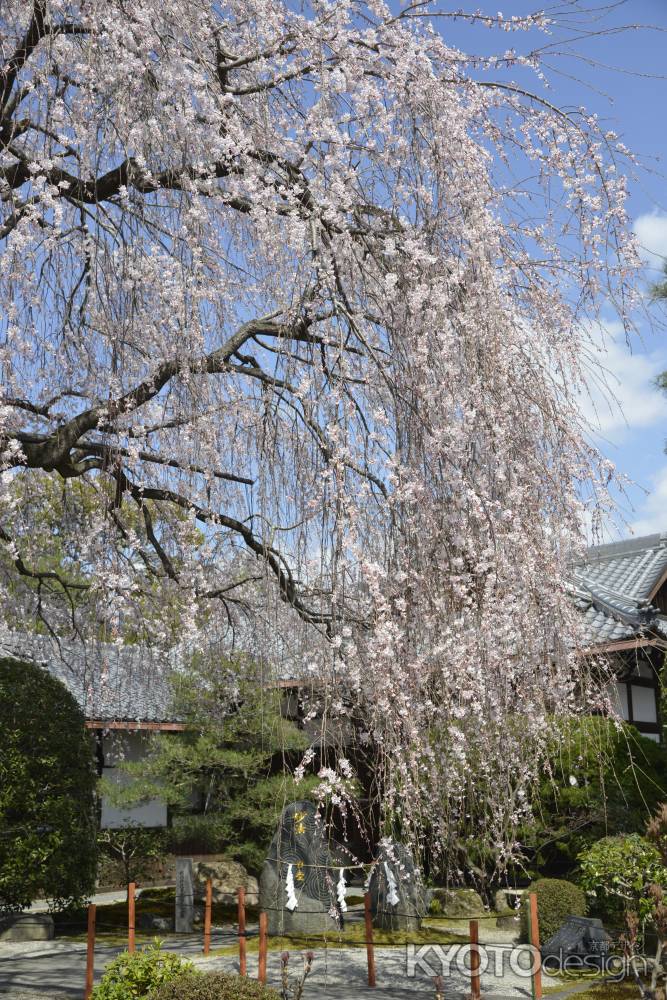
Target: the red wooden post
pixel 535 941
pixel 242 937
pixel 263 946
pixel 370 953
pixel 90 951
pixel 207 916
pixel 130 916
pixel 475 986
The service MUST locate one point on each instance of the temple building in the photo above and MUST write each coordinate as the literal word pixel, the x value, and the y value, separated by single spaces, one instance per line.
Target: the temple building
pixel 621 590
pixel 124 694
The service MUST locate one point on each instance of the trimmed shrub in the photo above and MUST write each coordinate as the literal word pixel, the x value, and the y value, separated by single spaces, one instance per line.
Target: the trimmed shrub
pixel 47 785
pixel 556 899
pixel 131 976
pixel 214 986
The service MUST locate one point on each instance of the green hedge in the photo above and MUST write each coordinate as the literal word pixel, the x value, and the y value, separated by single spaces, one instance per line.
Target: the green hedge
pixel 556 899
pixel 47 784
pixel 214 986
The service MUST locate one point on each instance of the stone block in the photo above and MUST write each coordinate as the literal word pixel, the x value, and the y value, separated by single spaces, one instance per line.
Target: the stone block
pixel 154 922
pixel 185 903
pixel 27 927
pixel 227 876
pixel 502 901
pixel 577 937
pixel 460 903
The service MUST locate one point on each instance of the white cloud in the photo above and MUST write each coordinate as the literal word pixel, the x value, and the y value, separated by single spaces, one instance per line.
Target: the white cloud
pixel 622 396
pixel 651 231
pixel 654 510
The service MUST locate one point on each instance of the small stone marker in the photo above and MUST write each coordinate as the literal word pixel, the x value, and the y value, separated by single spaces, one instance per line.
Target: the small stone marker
pixel 185 900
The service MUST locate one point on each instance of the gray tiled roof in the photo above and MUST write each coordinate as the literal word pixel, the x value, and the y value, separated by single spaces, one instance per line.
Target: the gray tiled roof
pixel 110 682
pixel 613 586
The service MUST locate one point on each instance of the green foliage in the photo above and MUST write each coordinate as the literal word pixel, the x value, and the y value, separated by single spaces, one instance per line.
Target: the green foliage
pixel 619 870
pixel 214 986
pixel 604 779
pixel 135 975
pixel 236 737
pixel 658 293
pixel 244 828
pixel 47 783
pixel 134 848
pixel 556 899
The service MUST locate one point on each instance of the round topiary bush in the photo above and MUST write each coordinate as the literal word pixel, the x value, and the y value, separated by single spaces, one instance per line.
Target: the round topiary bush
pixel 556 899
pixel 135 975
pixel 47 784
pixel 214 986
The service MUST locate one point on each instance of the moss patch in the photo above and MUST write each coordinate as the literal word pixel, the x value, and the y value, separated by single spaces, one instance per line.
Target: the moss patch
pixel 111 918
pixel 610 991
pixel 352 936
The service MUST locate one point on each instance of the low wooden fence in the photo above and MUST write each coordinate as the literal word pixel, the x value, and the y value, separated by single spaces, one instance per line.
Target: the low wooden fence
pixel 263 935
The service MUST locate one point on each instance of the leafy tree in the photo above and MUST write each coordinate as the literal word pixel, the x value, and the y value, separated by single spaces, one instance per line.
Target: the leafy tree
pixel 47 782
pixel 134 847
pixel 659 292
pixel 603 778
pixel 223 763
pixel 629 874
pixel 619 870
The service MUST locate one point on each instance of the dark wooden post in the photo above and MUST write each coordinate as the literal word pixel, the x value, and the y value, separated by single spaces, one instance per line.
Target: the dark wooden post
pixel 263 946
pixel 90 952
pixel 475 987
pixel 534 926
pixel 207 916
pixel 130 916
pixel 370 953
pixel 242 938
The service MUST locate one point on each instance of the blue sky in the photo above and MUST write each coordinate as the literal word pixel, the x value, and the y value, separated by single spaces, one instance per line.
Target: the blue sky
pixel 631 97
pixel 634 100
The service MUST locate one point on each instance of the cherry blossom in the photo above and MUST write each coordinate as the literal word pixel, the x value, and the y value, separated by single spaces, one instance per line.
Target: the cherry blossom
pixel 301 293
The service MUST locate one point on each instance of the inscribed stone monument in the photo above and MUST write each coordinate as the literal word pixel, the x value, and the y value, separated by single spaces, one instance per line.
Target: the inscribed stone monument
pixel 396 890
pixel 301 885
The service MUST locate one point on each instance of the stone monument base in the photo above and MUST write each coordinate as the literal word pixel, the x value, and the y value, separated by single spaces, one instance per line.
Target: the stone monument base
pixel 388 920
pixel 306 919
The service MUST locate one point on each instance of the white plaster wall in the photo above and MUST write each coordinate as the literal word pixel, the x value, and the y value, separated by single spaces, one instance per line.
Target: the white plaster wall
pixel 119 746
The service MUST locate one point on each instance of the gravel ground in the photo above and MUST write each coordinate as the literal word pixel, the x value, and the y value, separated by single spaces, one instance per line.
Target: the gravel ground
pixel 56 971
pixel 34 996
